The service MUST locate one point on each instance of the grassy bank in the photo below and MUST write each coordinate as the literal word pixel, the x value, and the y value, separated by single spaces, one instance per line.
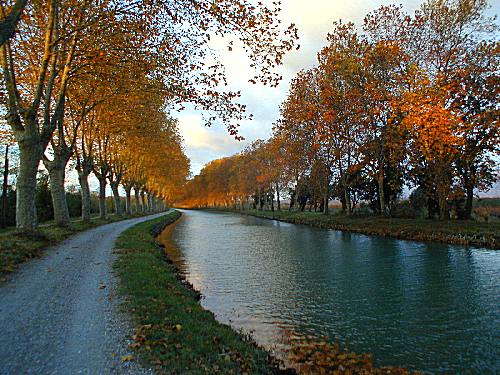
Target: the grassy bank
pixel 174 334
pixel 468 233
pixel 16 247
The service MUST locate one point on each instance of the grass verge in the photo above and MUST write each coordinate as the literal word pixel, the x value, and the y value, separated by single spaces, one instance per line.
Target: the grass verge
pixel 174 333
pixel 18 247
pixel 466 233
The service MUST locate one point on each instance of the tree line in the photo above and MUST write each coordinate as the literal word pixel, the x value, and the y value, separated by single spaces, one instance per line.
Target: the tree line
pixel 91 84
pixel 404 101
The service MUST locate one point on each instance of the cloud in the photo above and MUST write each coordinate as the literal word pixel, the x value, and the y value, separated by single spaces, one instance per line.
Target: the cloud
pixel 197 136
pixel 203 144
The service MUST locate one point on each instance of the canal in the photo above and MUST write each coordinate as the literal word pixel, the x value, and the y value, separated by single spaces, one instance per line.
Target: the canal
pixel 425 306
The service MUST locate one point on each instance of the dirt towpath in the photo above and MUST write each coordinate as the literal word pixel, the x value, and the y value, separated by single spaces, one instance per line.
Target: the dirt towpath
pixel 60 314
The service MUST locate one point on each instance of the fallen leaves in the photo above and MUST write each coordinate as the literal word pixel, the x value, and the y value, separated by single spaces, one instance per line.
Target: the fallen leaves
pixel 312 356
pixel 139 336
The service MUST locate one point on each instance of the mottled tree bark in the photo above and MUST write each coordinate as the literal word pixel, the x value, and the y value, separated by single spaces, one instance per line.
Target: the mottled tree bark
pixel 381 193
pixel 58 194
pixel 102 196
pixel 348 201
pixel 137 200
pixel 5 183
pixel 144 204
pixel 57 174
pixel 278 201
pixel 85 192
pixel 30 154
pixel 444 211
pixel 84 167
pixel 116 197
pixel 149 202
pixel 153 202
pixel 128 198
pixel 468 202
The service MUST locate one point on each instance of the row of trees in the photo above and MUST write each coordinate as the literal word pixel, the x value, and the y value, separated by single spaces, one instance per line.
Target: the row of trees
pixel 410 100
pixel 92 81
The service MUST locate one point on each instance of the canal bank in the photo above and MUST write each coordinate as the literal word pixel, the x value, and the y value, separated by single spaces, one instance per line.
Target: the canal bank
pixel 455 232
pixel 174 334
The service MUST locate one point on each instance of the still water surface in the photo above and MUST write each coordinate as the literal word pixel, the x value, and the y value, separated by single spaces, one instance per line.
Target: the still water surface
pixel 429 307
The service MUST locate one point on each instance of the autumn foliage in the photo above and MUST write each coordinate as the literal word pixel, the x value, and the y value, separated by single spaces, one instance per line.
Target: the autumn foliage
pixel 405 101
pixel 97 82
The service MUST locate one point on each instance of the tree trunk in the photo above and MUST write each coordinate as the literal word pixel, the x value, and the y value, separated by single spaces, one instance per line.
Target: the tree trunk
pixel 30 154
pixel 144 204
pixel 9 23
pixel 468 203
pixel 444 212
pixel 116 198
pixel 326 196
pixel 278 202
pixel 343 202
pixel 85 192
pixel 137 200
pixel 128 200
pixel 57 174
pixel 102 197
pixel 348 201
pixel 153 201
pixel 150 202
pixel 381 193
pixel 61 213
pixel 3 224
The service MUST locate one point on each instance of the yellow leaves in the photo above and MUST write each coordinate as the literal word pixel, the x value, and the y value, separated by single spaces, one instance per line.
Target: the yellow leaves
pixel 127 358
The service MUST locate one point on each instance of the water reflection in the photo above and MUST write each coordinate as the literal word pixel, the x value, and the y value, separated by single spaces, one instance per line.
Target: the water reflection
pixel 426 306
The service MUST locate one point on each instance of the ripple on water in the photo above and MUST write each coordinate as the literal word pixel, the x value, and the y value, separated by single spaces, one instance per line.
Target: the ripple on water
pixel 426 306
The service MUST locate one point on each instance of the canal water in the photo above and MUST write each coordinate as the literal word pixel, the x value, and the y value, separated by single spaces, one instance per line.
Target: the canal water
pixel 425 306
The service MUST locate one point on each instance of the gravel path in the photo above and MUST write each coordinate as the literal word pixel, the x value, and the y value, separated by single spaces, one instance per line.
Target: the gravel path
pixel 60 314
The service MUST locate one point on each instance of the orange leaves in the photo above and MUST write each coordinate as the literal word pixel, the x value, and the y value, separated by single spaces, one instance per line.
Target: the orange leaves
pixel 311 356
pixel 407 100
pixel 232 180
pixel 435 130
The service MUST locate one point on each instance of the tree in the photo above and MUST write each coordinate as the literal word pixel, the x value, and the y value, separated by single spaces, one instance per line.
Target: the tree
pixel 8 23
pixel 33 126
pixel 172 41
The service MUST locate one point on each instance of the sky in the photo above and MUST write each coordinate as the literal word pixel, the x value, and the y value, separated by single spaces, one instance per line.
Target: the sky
pixel 314 20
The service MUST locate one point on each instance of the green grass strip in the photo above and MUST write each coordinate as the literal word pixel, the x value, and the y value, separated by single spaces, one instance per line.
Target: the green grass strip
pixel 174 334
